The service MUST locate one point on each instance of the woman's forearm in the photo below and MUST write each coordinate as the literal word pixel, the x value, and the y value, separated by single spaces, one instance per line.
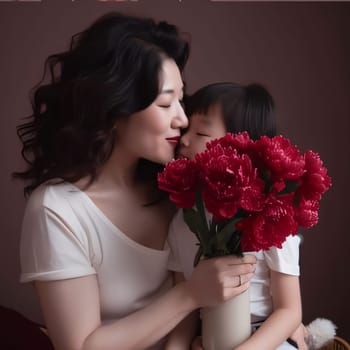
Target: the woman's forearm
pixel 72 314
pixel 146 326
pixel 211 282
pixel 182 336
pixel 71 307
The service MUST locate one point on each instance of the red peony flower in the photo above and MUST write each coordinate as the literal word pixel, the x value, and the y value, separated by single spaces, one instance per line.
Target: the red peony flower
pixel 271 226
pixel 241 142
pixel 280 159
pixel 315 180
pixel 230 182
pixel 180 179
pixel 258 193
pixel 306 213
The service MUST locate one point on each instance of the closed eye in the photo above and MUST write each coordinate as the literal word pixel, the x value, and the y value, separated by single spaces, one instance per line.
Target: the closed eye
pixel 200 134
pixel 164 106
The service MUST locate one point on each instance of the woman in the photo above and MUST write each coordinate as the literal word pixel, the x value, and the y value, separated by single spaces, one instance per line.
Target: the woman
pixel 95 227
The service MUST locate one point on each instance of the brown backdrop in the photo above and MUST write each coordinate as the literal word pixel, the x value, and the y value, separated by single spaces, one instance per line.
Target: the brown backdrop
pixel 300 51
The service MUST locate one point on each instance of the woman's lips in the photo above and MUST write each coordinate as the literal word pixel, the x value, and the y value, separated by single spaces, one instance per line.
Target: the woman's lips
pixel 173 140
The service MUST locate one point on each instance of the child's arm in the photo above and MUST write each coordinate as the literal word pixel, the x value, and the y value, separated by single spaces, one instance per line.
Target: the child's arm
pixel 182 335
pixel 299 336
pixel 284 319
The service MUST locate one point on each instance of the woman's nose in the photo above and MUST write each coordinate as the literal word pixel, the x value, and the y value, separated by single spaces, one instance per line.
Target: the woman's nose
pixel 180 120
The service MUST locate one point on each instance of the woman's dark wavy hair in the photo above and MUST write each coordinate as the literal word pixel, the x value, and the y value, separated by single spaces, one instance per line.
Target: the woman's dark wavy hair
pixel 110 71
pixel 244 108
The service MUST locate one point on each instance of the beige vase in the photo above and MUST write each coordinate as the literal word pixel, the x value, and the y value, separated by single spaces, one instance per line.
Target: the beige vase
pixel 226 325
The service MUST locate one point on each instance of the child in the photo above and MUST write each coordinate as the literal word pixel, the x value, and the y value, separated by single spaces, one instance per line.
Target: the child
pixel 275 301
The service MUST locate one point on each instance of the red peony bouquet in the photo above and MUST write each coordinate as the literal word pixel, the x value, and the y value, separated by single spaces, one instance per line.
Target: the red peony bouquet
pixel 257 192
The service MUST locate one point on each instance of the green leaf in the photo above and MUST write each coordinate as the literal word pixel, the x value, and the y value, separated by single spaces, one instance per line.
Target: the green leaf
pixel 201 210
pixel 196 224
pixel 224 235
pixel 191 216
pixel 198 256
pixel 234 245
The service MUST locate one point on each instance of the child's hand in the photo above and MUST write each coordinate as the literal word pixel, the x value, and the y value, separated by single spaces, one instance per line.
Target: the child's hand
pixel 299 336
pixel 219 279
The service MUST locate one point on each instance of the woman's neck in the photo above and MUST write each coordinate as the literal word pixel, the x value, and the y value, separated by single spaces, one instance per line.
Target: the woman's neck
pixel 120 170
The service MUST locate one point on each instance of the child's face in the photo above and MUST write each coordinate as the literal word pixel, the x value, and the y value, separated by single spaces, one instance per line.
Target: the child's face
pixel 202 129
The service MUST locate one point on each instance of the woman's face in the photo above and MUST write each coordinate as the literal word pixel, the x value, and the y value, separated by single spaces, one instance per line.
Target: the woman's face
pixel 203 128
pixel 154 132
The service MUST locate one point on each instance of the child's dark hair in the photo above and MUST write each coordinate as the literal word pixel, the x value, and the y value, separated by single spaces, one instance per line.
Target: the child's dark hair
pixel 244 108
pixel 110 71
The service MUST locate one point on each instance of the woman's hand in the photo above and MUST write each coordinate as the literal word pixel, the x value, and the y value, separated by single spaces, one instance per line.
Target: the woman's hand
pixel 219 279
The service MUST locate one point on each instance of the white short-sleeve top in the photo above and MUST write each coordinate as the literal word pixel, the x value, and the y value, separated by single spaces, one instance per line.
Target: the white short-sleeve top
pixel 183 245
pixel 65 235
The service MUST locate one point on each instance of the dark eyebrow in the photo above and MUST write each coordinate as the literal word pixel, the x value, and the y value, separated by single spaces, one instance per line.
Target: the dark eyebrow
pixel 171 91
